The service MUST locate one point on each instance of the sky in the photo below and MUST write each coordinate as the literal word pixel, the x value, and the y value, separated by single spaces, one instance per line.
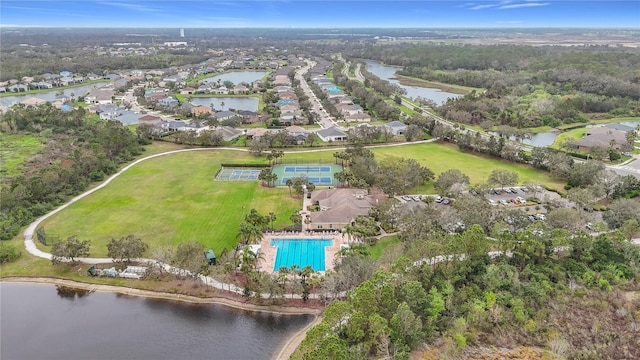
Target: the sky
pixel 320 14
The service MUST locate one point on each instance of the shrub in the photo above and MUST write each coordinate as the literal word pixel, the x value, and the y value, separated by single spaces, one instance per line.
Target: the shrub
pixel 8 253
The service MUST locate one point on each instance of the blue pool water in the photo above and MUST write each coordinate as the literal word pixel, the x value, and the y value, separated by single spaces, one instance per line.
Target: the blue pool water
pixel 301 252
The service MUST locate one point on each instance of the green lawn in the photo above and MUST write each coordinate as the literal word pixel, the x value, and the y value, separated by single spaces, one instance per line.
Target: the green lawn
pixel 575 134
pixel 440 157
pixel 15 149
pixel 172 199
pixel 382 244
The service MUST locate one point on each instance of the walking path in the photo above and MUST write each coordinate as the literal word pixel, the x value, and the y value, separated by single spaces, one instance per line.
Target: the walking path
pixel 209 281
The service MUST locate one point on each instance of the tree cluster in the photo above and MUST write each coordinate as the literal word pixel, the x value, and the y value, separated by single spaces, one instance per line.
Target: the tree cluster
pixel 79 150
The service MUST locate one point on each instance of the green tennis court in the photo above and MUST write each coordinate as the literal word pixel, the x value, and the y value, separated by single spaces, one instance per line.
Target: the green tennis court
pixel 319 174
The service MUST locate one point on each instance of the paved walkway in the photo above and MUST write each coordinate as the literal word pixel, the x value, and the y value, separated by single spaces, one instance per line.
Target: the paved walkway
pixel 33 250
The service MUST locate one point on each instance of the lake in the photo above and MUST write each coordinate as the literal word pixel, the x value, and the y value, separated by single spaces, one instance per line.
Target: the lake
pixel 237 77
pixel 389 72
pixel 547 138
pixel 41 321
pixel 238 103
pixel 9 101
pixel 542 139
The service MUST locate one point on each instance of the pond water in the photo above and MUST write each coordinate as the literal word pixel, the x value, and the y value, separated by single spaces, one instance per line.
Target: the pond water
pixel 389 72
pixel 538 140
pixel 237 77
pixel 548 137
pixel 9 101
pixel 42 321
pixel 238 103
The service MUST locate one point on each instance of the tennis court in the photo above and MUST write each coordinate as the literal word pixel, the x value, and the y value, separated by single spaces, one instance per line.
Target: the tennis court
pixel 319 174
pixel 238 174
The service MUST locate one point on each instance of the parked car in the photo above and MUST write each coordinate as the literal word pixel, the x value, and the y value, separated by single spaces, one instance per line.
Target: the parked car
pixel 438 198
pixel 493 202
pixel 541 217
pixel 589 226
pixel 446 201
pixel 524 189
pixel 504 202
pixel 532 217
pixel 513 190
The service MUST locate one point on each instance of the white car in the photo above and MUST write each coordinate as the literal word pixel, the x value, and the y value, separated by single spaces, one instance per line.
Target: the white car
pixel 493 202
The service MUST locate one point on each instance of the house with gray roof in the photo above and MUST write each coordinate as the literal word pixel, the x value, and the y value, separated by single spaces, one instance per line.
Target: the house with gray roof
pixel 620 127
pixel 602 137
pixel 332 134
pixel 127 117
pixel 228 133
pixel 225 115
pixel 396 127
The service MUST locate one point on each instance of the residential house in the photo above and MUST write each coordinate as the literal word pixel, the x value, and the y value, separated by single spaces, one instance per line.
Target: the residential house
pixel 187 90
pixel 340 207
pixel 42 85
pixel 225 115
pixel 240 89
pixel 249 117
pixel 108 111
pixel 32 101
pixel 100 96
pixel 127 117
pixel 203 89
pixel 602 137
pixel 396 127
pixel 176 125
pixel 282 80
pixel 168 102
pixel 201 110
pixel 228 133
pixel 149 119
pixel 222 90
pixel 256 133
pixel 332 134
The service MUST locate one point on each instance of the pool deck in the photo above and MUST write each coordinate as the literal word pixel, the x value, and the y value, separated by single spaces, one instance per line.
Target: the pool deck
pixel 269 252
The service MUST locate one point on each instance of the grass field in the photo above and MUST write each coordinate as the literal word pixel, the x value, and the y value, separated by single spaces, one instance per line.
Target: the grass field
pixel 452 88
pixel 15 149
pixel 172 199
pixel 440 157
pixel 378 249
pixel 574 134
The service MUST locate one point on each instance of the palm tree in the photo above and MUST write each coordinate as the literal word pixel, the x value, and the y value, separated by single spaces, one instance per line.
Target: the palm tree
pixel 222 105
pixel 289 183
pixel 272 218
pixel 249 233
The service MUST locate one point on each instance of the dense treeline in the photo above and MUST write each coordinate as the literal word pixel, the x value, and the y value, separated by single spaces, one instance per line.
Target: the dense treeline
pixel 525 86
pixel 79 150
pixel 528 298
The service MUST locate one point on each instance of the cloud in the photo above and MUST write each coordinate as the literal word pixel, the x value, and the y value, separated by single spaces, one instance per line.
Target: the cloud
pixel 480 7
pixel 129 6
pixel 525 5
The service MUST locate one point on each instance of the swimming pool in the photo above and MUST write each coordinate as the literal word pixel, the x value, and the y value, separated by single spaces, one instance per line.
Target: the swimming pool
pixel 301 252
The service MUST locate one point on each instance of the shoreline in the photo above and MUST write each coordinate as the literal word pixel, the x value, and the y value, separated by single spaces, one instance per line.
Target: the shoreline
pixel 273 309
pixel 284 351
